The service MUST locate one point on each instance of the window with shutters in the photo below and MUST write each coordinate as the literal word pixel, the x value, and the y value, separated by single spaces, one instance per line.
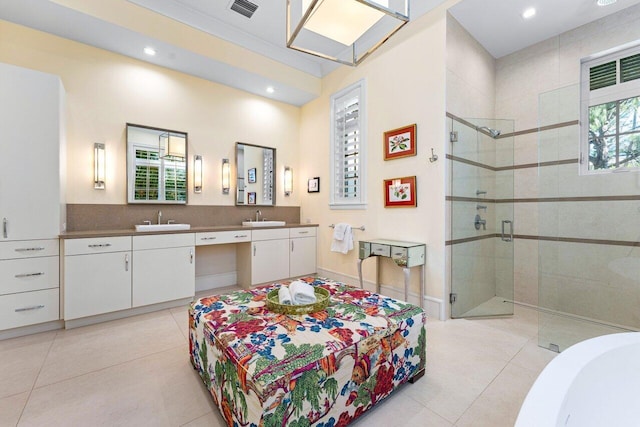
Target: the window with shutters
pixel 152 174
pixel 611 112
pixel 348 148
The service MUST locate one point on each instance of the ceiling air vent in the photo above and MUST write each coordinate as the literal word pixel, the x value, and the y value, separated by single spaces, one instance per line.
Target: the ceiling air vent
pixel 244 7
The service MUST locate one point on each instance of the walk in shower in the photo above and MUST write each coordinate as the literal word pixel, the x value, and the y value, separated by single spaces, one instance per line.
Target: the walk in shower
pixel 588 231
pixel 480 200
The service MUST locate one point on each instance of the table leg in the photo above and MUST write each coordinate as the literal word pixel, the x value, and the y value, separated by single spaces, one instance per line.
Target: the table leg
pixel 360 272
pixel 407 281
pixel 422 282
pixel 377 274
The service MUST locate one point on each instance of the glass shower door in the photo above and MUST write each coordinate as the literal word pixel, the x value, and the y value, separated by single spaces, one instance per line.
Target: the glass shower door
pixel 481 208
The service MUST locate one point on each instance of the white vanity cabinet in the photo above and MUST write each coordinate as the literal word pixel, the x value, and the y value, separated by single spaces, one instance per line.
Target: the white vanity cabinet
pixel 29 283
pixel 164 268
pixel 31 204
pixel 96 276
pixel 266 259
pixel 302 256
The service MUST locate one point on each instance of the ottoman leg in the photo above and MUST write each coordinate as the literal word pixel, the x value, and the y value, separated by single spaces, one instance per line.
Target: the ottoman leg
pixel 417 376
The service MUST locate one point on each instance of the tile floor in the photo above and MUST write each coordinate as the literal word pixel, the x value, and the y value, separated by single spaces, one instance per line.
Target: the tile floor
pixel 136 371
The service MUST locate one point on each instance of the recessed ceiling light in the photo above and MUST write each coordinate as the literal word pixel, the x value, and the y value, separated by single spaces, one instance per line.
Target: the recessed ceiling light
pixel 270 89
pixel 529 13
pixel 605 2
pixel 149 51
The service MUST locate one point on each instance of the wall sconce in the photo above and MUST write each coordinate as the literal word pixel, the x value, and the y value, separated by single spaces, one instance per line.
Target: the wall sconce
pixel 345 31
pixel 197 173
pixel 288 181
pixel 226 176
pixel 99 171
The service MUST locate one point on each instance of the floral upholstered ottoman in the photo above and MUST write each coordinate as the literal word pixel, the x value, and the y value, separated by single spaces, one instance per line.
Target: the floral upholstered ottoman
pixel 324 369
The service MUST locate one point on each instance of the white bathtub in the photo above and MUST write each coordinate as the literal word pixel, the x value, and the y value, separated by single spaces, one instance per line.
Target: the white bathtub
pixel 593 383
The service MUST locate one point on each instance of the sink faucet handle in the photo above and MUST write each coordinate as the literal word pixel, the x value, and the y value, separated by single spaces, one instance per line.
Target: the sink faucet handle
pixel 171 221
pixel 147 221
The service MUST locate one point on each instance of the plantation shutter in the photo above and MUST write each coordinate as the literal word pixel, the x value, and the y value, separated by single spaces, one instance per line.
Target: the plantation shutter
pixel 347 147
pixel 630 68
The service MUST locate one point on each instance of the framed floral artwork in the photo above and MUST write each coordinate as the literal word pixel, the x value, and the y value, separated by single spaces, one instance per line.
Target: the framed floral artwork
pixel 400 142
pixel 400 192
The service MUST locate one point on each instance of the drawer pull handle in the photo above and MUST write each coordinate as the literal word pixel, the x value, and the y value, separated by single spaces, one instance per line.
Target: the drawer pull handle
pixel 208 238
pixel 18 276
pixel 191 256
pixel 398 253
pixel 102 245
pixel 38 248
pixel 238 236
pixel 5 223
pixel 33 307
pixel 303 232
pixel 126 262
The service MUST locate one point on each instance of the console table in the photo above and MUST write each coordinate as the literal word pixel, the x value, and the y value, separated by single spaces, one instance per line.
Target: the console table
pixel 404 254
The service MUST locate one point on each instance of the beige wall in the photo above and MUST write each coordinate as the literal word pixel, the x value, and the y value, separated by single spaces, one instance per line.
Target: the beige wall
pixel 405 84
pixel 106 90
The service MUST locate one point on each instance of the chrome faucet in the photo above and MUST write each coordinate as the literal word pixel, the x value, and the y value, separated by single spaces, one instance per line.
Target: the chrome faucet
pixel 159 217
pixel 258 215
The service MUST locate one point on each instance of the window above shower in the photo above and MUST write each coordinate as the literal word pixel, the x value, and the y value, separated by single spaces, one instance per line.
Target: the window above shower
pixel 611 112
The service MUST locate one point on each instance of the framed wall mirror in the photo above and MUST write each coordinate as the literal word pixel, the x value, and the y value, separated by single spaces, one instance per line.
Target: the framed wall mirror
pixel 156 165
pixel 255 175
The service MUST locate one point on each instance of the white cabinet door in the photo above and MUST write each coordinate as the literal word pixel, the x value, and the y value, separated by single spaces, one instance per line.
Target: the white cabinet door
pixel 96 284
pixel 163 275
pixel 30 117
pixel 302 259
pixel 270 260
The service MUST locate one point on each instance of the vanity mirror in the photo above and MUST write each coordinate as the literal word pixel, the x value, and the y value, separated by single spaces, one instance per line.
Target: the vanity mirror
pixel 156 165
pixel 255 180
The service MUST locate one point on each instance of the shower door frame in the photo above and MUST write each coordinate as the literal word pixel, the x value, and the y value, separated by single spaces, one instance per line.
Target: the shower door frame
pixel 481 262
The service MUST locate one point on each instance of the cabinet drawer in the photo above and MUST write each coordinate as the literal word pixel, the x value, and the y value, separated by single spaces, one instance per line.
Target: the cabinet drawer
pixel 302 232
pixel 270 234
pixel 381 250
pixel 29 308
pixel 97 245
pixel 162 241
pixel 29 248
pixel 221 237
pixel 20 275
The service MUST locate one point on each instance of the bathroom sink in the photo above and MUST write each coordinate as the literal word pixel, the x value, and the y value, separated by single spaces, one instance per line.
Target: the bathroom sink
pixel 262 223
pixel 162 227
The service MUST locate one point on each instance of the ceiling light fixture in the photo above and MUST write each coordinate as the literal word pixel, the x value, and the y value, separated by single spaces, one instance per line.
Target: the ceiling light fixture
pixel 150 51
pixel 345 31
pixel 529 13
pixel 605 2
pixel 270 89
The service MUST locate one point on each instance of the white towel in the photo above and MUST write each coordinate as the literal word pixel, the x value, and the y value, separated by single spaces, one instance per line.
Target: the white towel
pixel 342 238
pixel 284 295
pixel 302 293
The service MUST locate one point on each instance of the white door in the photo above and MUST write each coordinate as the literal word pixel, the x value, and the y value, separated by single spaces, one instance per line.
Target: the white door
pixel 303 256
pixel 163 275
pixel 30 143
pixel 96 284
pixel 270 260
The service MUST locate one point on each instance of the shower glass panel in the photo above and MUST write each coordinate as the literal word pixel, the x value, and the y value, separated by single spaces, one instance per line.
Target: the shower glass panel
pixel 588 235
pixel 481 209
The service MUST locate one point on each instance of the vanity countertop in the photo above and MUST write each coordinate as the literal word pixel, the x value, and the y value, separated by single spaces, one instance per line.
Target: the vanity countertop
pixel 133 232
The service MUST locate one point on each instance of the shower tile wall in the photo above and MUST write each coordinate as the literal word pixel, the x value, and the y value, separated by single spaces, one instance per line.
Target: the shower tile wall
pixel 539 86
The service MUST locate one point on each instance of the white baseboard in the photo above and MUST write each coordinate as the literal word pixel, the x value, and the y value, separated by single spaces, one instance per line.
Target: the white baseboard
pixel 214 281
pixel 76 323
pixel 31 329
pixel 434 307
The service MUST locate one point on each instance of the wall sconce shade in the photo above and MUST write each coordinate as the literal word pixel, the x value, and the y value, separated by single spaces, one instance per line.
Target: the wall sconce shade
pixel 197 173
pixel 226 176
pixel 99 154
pixel 345 31
pixel 172 145
pixel 288 181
